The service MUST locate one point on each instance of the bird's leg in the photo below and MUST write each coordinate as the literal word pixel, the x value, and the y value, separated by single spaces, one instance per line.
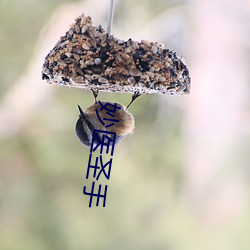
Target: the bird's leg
pixel 95 94
pixel 134 97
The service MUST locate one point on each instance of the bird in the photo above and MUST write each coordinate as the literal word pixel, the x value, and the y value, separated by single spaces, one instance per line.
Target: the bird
pixel 89 121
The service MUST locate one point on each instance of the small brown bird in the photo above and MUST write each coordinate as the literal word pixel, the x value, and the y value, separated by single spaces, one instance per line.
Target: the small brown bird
pixel 88 121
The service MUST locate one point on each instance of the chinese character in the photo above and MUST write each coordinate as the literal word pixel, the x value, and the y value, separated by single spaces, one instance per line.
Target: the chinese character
pixel 95 167
pixel 109 111
pixel 91 194
pixel 104 141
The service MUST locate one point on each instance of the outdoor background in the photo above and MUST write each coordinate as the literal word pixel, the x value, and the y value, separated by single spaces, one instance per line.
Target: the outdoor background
pixel 180 182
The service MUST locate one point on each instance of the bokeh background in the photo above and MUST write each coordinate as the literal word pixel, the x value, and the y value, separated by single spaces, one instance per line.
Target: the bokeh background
pixel 180 182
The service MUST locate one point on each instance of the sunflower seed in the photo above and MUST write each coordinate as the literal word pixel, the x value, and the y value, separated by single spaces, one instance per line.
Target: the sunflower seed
pixel 69 60
pixel 131 80
pixel 68 54
pixel 144 78
pixel 85 46
pixel 61 62
pixel 154 49
pixel 77 79
pixel 134 72
pixel 77 57
pixel 88 62
pixel 145 42
pixel 95 76
pixel 78 70
pixel 150 74
pixel 77 29
pixel 103 80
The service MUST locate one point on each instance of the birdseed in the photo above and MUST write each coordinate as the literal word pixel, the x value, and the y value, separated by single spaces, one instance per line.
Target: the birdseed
pixel 87 57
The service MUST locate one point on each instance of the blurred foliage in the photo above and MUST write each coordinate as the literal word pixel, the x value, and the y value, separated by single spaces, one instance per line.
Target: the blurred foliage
pixel 20 24
pixel 43 167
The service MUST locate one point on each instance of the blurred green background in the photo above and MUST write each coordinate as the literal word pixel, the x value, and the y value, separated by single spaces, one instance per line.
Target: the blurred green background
pixel 181 181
